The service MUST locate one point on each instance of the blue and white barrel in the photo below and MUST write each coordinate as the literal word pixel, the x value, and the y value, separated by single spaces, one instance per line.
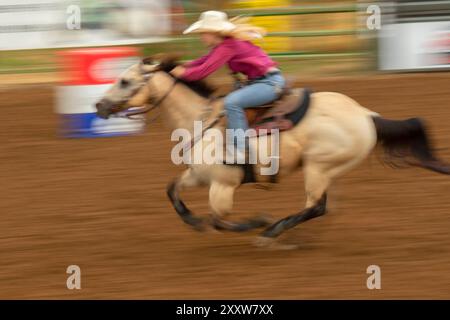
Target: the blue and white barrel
pixel 87 74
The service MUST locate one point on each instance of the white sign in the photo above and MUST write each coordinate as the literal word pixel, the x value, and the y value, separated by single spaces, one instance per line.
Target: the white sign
pixel 415 46
pixel 36 24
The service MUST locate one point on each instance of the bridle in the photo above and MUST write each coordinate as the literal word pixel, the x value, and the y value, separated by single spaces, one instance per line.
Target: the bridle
pixel 154 105
pixel 148 107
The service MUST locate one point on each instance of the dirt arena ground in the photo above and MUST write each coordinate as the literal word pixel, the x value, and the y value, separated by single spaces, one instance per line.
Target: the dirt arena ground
pixel 101 204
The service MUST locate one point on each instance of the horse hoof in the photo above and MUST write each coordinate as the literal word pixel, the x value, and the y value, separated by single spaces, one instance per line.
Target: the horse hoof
pixel 273 244
pixel 199 227
pixel 264 242
pixel 211 230
pixel 196 223
pixel 223 225
pixel 266 218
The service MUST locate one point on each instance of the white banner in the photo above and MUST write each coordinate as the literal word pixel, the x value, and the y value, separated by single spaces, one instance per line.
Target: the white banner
pixel 414 46
pixel 36 24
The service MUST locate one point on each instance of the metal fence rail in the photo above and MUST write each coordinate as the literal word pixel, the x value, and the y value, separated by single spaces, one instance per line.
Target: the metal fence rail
pixel 294 11
pixel 291 10
pixel 15 62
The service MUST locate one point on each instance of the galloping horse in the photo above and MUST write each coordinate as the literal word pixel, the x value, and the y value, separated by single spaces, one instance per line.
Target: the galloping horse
pixel 334 136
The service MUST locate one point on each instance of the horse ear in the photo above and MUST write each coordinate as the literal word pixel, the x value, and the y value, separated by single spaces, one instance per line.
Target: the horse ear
pixel 162 61
pixel 148 65
pixel 150 61
pixel 168 61
pixel 147 60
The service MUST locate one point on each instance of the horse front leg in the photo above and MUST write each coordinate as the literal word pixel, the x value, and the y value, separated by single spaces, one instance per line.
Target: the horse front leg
pixel 221 202
pixel 187 179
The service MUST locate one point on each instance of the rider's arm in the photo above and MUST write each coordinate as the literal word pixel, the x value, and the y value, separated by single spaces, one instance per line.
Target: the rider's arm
pixel 217 58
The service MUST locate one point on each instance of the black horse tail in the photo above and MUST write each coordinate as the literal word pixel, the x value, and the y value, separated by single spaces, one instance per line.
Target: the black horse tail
pixel 406 142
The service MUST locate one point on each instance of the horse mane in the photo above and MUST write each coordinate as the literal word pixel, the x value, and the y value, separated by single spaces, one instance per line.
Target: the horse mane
pixel 201 87
pixel 167 62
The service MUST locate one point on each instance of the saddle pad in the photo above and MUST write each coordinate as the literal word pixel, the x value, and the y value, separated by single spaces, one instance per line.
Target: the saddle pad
pixel 286 113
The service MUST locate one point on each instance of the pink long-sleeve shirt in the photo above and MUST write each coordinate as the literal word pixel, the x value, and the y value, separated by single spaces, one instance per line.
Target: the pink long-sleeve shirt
pixel 241 56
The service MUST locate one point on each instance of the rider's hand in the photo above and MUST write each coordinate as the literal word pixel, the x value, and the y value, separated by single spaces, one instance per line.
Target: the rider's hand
pixel 178 71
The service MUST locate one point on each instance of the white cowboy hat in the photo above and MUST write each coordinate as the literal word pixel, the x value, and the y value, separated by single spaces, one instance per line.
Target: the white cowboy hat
pixel 212 21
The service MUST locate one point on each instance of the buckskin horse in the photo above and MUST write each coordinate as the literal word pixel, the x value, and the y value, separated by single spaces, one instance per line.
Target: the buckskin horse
pixel 334 135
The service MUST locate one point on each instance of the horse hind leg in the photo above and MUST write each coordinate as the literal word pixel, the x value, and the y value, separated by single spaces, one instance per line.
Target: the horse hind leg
pixel 187 179
pixel 318 177
pixel 221 203
pixel 316 184
pixel 324 163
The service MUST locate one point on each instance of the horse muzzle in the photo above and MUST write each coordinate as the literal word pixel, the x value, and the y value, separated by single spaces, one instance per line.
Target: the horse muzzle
pixel 104 108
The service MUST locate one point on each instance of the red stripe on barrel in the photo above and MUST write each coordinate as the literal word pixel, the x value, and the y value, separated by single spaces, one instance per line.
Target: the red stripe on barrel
pixel 95 65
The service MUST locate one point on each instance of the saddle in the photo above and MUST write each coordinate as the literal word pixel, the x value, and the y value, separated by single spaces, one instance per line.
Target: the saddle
pixel 282 114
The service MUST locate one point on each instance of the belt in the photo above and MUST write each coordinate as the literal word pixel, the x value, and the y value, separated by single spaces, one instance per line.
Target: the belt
pixel 271 71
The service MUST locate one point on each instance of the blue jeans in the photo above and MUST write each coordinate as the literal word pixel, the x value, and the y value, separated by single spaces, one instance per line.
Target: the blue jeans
pixel 258 92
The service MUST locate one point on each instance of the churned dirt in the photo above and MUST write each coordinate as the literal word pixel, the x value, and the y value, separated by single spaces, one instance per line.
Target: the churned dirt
pixel 101 204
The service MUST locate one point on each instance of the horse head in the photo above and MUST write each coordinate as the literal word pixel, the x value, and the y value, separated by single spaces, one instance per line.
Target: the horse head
pixel 130 90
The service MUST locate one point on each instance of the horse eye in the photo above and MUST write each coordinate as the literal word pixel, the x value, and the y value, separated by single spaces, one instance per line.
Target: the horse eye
pixel 124 83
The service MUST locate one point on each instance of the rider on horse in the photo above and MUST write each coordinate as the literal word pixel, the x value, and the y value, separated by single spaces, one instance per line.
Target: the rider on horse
pixel 230 43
